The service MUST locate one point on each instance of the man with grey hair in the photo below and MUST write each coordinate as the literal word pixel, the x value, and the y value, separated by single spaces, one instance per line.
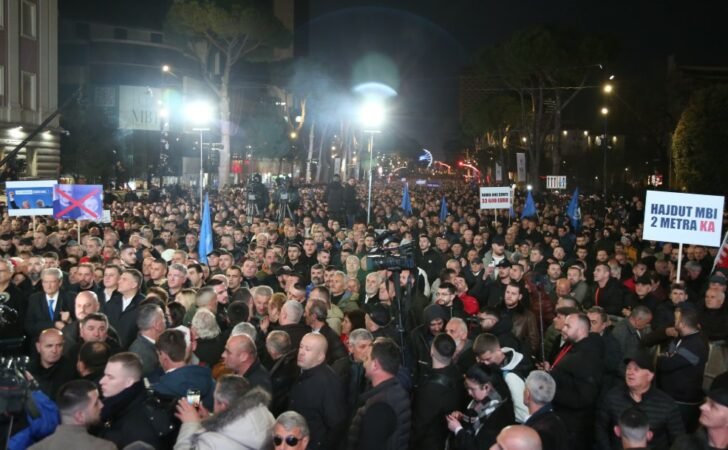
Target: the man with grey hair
pixel 283 369
pixel 151 324
pixel 176 279
pixel 50 308
pixel 359 346
pixel 540 390
pixel 290 431
pixel 290 322
pixel 241 418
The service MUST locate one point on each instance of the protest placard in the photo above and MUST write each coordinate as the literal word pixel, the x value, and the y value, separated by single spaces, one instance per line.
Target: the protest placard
pixel 495 197
pixel 683 218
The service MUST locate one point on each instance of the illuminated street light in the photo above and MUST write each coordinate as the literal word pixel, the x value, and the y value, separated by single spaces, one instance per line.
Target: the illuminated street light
pixel 371 116
pixel 529 187
pixel 608 88
pixel 293 135
pixel 166 68
pixel 524 139
pixel 199 114
pixel 605 111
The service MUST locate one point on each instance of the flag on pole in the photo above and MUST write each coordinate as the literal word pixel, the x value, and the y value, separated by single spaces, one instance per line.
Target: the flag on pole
pixel 443 209
pixel 529 209
pixel 406 201
pixel 205 245
pixel 574 212
pixel 721 259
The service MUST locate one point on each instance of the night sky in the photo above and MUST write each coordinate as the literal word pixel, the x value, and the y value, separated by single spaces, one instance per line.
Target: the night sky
pixel 431 41
pixel 428 42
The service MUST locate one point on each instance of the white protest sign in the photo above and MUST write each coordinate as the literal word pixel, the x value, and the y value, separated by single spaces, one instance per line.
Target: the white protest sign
pixel 495 197
pixel 683 218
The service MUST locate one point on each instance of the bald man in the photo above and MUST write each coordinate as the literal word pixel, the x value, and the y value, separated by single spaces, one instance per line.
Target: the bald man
pixel 241 356
pixel 517 437
pixel 50 368
pixel 85 303
pixel 318 394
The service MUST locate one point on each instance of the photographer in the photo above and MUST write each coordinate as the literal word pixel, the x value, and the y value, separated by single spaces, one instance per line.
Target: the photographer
pixel 258 189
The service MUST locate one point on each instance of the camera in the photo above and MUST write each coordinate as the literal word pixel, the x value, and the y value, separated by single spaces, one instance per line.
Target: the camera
pixel 8 315
pixel 14 387
pixel 193 397
pixel 392 258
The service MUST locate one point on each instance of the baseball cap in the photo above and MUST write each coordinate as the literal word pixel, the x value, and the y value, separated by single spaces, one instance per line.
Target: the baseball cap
pixel 642 359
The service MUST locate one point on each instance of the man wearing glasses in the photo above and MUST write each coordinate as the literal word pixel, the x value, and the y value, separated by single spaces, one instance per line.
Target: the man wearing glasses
pixel 290 431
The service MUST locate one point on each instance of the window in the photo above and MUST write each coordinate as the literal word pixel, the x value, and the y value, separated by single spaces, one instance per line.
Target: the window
pixel 28 21
pixel 120 33
pixel 28 91
pixel 156 38
pixel 83 31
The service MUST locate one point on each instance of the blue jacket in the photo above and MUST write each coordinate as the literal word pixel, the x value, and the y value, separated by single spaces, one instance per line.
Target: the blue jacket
pixel 176 383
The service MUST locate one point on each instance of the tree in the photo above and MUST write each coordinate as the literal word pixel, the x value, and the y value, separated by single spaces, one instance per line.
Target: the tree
pixel 545 68
pixel 699 143
pixel 231 32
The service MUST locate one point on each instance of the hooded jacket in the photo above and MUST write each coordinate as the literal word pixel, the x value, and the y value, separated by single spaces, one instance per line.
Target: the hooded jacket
pixel 512 376
pixel 245 425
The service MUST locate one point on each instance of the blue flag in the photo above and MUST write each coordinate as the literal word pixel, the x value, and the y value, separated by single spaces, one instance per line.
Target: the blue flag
pixel 443 209
pixel 573 212
pixel 529 209
pixel 406 202
pixel 205 245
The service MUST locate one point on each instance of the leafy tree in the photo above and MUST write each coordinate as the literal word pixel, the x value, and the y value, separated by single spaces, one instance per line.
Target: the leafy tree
pixel 544 68
pixel 234 32
pixel 699 143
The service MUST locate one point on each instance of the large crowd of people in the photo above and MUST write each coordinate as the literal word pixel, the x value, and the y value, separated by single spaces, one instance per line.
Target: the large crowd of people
pixel 307 328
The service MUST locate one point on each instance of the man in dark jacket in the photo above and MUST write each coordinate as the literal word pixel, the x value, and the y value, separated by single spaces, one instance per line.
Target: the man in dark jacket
pixel 440 392
pixel 680 370
pixel 577 370
pixel 178 376
pixel 428 259
pixel 123 308
pixel 316 315
pixel 52 299
pixel 126 415
pixel 608 293
pixel 318 394
pixel 662 412
pixel 282 369
pixel 50 368
pixel 421 337
pixel 384 420
pixel 538 394
pixel 334 196
pixel 351 204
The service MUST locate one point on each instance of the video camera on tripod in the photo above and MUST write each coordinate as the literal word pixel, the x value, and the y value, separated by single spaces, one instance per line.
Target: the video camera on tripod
pixel 392 258
pixel 8 314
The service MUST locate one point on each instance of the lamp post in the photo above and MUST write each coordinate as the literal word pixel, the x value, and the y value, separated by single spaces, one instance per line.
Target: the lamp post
pixel 605 113
pixel 371 116
pixel 199 114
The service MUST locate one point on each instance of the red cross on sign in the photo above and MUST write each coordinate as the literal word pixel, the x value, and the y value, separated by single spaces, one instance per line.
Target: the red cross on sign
pixel 77 203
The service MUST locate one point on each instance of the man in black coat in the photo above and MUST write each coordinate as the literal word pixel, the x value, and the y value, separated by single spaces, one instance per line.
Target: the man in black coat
pixel 351 204
pixel 316 315
pixel 334 196
pixel 318 394
pixel 283 369
pixel 662 412
pixel 50 368
pixel 123 308
pixel 440 392
pixel 40 305
pixel 126 415
pixel 384 420
pixel 577 370
pixel 609 293
pixel 538 394
pixel 681 368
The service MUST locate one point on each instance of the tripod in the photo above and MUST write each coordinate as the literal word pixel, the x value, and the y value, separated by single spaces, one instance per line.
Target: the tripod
pixel 251 208
pixel 284 209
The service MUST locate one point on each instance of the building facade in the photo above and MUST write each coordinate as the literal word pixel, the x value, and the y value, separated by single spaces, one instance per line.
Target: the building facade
pixel 29 83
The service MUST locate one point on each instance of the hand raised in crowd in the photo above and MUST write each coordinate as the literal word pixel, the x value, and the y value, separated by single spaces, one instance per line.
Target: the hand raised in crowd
pixel 187 413
pixel 453 420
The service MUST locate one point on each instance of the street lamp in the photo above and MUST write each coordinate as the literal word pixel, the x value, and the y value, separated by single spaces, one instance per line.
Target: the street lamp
pixel 371 116
pixel 605 113
pixel 608 88
pixel 200 114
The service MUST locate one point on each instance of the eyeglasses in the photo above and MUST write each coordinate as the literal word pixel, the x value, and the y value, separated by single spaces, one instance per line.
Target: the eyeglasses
pixel 291 441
